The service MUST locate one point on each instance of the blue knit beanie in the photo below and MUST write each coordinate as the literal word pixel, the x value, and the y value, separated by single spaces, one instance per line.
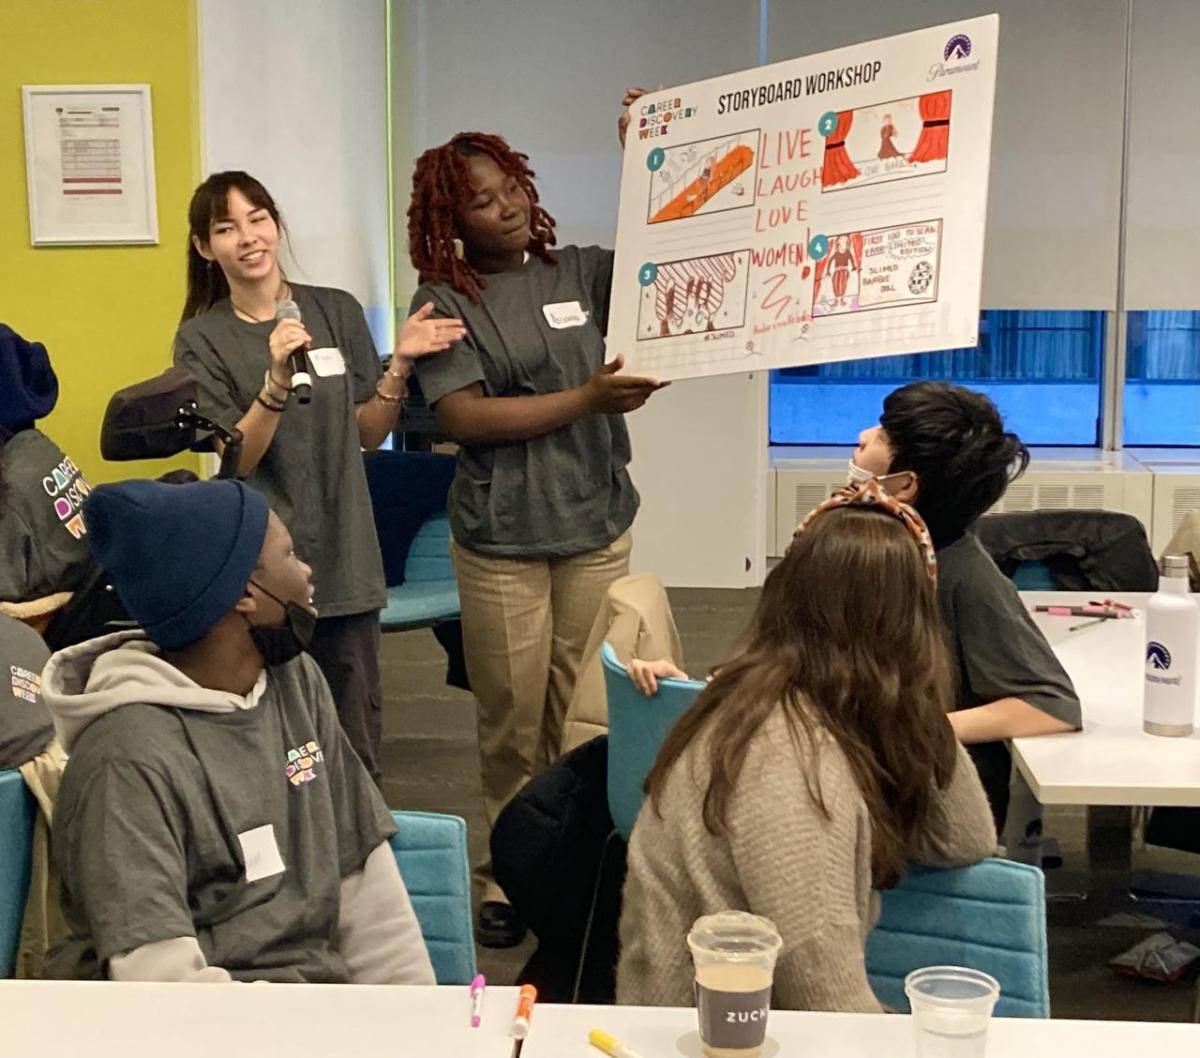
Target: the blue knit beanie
pixel 179 555
pixel 28 386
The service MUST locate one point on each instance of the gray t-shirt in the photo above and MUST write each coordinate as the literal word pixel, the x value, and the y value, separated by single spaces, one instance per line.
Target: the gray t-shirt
pixel 312 473
pixel 25 724
pixel 155 808
pixel 568 491
pixel 42 545
pixel 997 651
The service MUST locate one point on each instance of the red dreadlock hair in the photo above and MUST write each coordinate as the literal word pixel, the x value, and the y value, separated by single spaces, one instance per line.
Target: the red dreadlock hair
pixel 441 184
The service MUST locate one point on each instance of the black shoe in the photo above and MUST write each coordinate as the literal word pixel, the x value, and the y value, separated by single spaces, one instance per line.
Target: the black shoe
pixel 498 926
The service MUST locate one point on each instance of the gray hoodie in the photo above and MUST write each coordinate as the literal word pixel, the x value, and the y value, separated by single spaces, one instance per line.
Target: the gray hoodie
pixel 379 938
pixel 83 682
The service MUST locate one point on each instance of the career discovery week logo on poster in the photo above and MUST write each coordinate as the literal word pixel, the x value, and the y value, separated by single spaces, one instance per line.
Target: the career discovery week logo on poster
pixel 954 58
pixel 656 118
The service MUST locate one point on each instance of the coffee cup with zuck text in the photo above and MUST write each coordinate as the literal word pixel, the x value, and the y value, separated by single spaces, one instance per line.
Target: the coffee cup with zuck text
pixel 734 953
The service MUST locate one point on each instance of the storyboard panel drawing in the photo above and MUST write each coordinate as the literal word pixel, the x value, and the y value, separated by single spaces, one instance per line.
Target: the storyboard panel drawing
pixel 708 176
pixel 701 295
pixel 897 140
pixel 873 269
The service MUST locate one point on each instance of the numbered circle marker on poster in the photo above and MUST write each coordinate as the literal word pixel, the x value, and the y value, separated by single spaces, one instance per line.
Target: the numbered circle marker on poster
pixel 647 273
pixel 818 247
pixel 655 159
pixel 828 124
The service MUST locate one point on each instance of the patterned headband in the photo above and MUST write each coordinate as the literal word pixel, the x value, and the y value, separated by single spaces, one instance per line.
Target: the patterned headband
pixel 872 494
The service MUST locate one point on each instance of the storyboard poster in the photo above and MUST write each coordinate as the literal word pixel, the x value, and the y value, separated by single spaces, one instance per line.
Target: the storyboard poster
pixel 826 208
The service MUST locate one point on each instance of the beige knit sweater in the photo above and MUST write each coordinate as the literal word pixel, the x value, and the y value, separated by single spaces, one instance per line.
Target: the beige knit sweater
pixel 809 874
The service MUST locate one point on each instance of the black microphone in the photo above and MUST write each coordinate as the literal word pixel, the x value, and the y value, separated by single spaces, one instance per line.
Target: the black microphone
pixel 301 379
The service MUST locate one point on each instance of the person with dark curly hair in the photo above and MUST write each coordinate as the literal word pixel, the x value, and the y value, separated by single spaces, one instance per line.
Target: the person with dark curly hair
pixel 542 501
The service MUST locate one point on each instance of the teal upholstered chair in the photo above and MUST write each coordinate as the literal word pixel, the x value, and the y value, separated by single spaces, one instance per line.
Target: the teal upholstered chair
pixel 408 498
pixel 431 852
pixel 990 916
pixel 637 726
pixel 18 811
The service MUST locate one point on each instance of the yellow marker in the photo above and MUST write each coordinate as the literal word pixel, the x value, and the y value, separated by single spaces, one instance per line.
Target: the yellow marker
pixel 610 1046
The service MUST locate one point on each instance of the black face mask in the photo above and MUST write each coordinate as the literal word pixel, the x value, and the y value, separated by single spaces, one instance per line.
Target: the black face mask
pixel 289 640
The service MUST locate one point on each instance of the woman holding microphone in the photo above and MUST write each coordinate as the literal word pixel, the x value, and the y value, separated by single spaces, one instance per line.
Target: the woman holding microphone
pixel 237 337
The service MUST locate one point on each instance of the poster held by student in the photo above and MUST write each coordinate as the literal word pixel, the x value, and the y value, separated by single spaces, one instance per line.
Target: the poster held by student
pixel 830 207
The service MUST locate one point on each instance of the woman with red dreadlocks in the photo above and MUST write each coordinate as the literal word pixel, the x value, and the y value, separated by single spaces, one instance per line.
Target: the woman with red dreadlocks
pixel 542 502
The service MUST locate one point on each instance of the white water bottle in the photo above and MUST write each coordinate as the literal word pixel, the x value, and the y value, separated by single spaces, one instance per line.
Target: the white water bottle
pixel 1172 619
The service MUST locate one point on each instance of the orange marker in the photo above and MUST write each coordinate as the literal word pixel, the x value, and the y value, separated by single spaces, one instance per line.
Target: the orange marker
pixel 520 1027
pixel 525 1001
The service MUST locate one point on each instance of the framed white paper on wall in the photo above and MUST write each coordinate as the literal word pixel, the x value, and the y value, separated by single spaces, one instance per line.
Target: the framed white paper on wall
pixel 89 162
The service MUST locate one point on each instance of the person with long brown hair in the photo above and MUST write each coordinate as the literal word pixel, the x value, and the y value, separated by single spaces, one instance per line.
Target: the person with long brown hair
pixel 306 458
pixel 814 767
pixel 542 501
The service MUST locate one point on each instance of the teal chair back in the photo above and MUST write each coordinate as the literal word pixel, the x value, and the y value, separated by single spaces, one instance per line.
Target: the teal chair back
pixel 431 852
pixel 637 726
pixel 429 594
pixel 990 916
pixel 18 811
pixel 429 553
pixel 408 499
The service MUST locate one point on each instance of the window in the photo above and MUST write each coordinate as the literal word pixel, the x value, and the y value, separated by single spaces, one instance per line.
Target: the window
pixel 1042 369
pixel 1162 378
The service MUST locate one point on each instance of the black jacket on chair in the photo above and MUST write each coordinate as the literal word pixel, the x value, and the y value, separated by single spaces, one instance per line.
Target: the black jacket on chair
pixel 562 866
pixel 1084 550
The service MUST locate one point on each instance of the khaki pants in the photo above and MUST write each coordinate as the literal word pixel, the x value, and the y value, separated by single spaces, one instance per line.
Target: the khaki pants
pixel 525 623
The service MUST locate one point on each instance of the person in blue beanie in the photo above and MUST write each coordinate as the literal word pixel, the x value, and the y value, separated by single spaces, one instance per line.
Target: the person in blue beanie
pixel 43 556
pixel 214 823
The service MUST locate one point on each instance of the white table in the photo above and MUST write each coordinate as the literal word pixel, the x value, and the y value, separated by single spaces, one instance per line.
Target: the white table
pixel 1111 761
pixel 327 1021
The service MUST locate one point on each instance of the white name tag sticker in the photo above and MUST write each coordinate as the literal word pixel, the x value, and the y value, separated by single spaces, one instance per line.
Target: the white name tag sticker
pixel 565 314
pixel 261 853
pixel 327 363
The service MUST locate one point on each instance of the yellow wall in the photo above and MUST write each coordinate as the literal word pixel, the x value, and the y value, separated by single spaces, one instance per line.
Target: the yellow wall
pixel 106 314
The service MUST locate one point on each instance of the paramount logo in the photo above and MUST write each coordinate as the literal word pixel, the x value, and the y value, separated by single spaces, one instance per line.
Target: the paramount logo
pixel 957 51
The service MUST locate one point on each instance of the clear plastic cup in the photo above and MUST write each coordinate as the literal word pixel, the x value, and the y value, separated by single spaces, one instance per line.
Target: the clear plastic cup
pixel 734 953
pixel 951 1008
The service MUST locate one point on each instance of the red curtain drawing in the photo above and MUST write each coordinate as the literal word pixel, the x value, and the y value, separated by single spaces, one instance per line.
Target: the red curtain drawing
pixel 838 168
pixel 935 128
